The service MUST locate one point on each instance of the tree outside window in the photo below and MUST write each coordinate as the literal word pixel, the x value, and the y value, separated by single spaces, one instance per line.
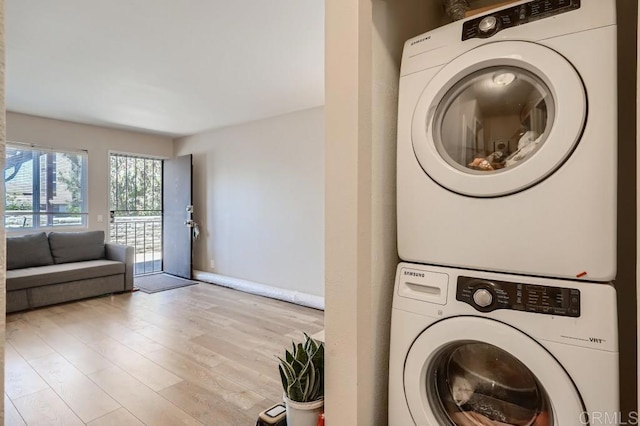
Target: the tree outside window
pixel 44 188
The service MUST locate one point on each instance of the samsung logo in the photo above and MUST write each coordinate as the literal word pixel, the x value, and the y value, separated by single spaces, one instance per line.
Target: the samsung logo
pixel 414 274
pixel 420 40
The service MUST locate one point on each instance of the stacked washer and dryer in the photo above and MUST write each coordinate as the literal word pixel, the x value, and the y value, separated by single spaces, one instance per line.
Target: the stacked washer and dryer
pixel 504 311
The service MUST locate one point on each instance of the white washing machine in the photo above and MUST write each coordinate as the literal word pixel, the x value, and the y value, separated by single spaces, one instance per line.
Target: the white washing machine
pixel 507 135
pixel 481 348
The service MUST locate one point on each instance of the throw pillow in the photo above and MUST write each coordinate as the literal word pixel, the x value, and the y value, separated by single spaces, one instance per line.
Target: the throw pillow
pixel 28 250
pixel 69 247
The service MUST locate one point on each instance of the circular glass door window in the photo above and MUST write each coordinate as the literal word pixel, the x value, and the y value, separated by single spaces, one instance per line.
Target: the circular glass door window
pixel 493 120
pixel 477 384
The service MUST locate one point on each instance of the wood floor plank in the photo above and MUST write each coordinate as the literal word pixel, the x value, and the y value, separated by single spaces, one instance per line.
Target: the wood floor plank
pixel 74 350
pixel 218 384
pixel 148 372
pixel 11 415
pixel 120 417
pixel 207 406
pixel 83 396
pixel 46 408
pixel 20 379
pixel 183 346
pixel 259 362
pixel 83 330
pixel 111 325
pixel 268 386
pixel 145 404
pixel 26 340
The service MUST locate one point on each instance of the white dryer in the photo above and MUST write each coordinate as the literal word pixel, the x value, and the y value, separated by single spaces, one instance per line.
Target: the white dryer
pixel 480 348
pixel 507 142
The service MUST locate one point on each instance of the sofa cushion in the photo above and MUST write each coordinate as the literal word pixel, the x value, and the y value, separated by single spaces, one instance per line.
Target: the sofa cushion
pixel 69 247
pixel 54 274
pixel 28 250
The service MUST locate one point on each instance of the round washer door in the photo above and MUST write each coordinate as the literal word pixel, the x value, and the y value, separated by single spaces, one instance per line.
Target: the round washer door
pixel 477 371
pixel 499 118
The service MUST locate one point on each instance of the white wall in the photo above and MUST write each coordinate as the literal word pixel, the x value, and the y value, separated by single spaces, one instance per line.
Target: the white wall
pixel 258 197
pixel 99 141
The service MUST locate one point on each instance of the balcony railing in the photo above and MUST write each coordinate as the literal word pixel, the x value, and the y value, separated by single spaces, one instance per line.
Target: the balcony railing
pixel 144 233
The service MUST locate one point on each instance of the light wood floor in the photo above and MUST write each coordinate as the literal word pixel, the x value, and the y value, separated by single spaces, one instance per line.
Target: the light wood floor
pixel 195 355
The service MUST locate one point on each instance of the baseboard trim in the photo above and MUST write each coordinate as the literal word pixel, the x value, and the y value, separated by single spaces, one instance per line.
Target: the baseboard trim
pixel 286 295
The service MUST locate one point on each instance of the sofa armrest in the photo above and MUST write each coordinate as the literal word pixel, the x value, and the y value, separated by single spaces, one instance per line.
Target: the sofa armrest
pixel 125 254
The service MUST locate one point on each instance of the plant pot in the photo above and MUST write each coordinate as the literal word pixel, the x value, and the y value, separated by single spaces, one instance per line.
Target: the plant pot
pixel 303 413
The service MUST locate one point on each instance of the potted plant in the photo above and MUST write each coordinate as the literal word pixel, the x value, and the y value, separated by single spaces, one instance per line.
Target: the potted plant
pixel 302 374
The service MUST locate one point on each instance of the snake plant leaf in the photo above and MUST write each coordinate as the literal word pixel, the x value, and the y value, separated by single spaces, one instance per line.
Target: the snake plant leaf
pixel 288 371
pixel 298 367
pixel 289 357
pixel 301 355
pixel 311 383
pixel 310 345
pixel 305 369
pixel 283 377
pixel 294 391
pixel 318 356
pixel 318 391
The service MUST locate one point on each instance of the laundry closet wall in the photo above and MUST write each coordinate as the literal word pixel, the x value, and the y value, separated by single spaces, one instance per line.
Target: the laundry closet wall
pixel 627 212
pixel 364 41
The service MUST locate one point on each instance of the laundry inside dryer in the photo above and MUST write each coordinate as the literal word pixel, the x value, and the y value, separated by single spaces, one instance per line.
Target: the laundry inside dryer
pixel 493 119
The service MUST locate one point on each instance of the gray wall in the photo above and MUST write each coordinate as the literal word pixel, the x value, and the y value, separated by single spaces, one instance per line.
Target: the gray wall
pixel 259 200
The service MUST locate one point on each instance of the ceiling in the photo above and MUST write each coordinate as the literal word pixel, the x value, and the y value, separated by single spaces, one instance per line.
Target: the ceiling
pixel 163 66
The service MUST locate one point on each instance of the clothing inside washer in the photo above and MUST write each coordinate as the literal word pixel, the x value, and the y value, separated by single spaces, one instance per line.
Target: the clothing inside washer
pixel 479 384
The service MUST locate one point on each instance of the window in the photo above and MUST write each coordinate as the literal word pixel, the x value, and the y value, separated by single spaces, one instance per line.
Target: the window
pixel 44 188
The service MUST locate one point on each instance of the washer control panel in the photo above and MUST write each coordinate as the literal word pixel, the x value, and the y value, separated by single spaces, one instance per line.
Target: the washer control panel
pixel 489 295
pixel 488 25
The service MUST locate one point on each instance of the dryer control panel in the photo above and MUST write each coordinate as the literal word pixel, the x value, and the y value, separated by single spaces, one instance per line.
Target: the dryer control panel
pixel 489 295
pixel 488 25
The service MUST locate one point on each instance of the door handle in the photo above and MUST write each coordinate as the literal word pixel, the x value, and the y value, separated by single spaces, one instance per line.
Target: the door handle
pixel 195 229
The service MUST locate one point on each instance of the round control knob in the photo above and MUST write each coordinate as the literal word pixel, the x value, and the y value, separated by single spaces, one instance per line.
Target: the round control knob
pixel 482 297
pixel 488 24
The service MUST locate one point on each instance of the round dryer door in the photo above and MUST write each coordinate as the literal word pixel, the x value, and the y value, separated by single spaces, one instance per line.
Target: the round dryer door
pixel 499 118
pixel 470 371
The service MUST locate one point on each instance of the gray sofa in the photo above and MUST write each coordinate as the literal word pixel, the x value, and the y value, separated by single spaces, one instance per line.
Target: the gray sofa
pixel 63 266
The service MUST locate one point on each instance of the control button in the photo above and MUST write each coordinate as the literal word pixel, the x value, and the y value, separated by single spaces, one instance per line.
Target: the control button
pixel 482 297
pixel 488 24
